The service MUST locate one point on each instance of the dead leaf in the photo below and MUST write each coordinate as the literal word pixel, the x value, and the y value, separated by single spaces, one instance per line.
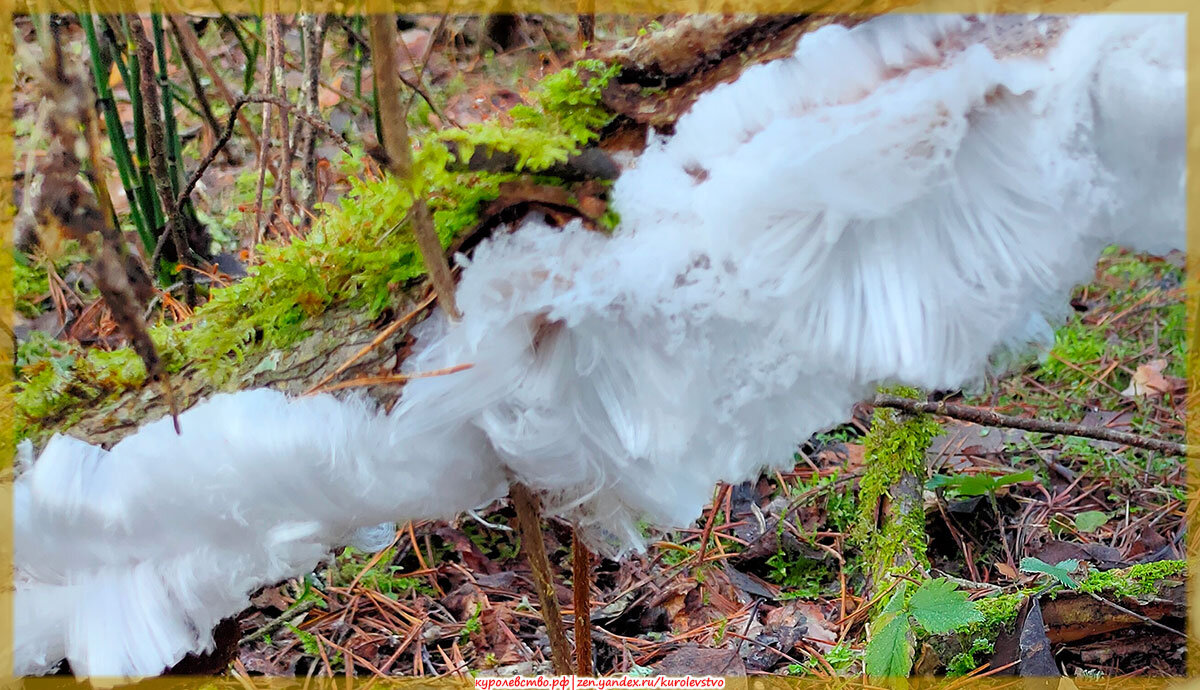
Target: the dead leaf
pixel 809 621
pixel 1037 660
pixel 694 660
pixel 1100 555
pixel 1007 570
pixel 471 556
pixel 328 97
pixel 1148 381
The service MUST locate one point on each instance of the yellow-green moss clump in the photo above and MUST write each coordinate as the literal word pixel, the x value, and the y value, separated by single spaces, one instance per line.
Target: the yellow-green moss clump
pixel 1137 581
pixel 359 253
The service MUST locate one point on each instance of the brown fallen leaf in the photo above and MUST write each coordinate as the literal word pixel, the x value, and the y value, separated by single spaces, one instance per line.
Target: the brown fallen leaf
pixel 1007 571
pixel 809 621
pixel 1148 381
pixel 326 97
pixel 694 660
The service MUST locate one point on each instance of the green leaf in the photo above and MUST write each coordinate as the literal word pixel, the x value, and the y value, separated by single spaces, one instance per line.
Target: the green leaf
pixel 977 484
pixel 1090 521
pixel 896 603
pixel 939 606
pixel 1060 571
pixel 890 650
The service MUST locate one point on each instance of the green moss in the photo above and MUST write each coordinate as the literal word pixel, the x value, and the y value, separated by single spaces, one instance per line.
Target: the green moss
pixel 969 660
pixel 998 611
pixel 30 285
pixel 799 577
pixel 57 379
pixel 566 114
pixel 1137 581
pixel 358 253
pixel 894 447
pixel 968 646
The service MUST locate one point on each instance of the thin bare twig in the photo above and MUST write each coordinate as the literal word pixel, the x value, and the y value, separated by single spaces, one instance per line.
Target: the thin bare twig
pixel 392 378
pixel 228 134
pixel 191 44
pixel 313 27
pixel 375 342
pixel 263 150
pixel 984 417
pixel 156 139
pixel 581 583
pixel 279 621
pixel 193 73
pixel 283 180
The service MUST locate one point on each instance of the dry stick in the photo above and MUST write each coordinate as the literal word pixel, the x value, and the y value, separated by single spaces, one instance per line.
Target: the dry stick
pixel 189 65
pixel 191 44
pixel 420 75
pixel 1145 619
pixel 977 415
pixel 314 28
pixel 156 139
pixel 279 621
pixel 708 525
pixel 283 180
pixel 393 378
pixel 581 581
pixel 586 16
pixel 119 272
pixel 262 151
pixel 414 85
pixel 395 142
pixel 529 528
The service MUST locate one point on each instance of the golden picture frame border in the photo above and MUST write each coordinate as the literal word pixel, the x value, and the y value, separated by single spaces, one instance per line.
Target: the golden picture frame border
pixel 11 8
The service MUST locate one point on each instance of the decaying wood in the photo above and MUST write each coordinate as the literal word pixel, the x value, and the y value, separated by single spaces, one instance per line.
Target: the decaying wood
pixel 664 72
pixel 337 336
pixel 1073 616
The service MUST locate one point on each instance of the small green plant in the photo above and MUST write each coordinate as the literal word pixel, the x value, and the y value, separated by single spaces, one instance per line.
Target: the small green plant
pixel 472 626
pixel 937 606
pixel 977 484
pixel 719 634
pixel 840 658
pixel 382 577
pixel 1060 572
pixel 800 577
pixel 308 641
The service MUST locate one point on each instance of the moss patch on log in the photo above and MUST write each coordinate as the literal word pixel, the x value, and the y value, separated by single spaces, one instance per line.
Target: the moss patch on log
pixel 358 259
pixel 890 527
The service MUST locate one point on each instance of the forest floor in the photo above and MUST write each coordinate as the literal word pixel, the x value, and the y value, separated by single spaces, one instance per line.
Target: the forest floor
pixel 769 579
pixel 775 587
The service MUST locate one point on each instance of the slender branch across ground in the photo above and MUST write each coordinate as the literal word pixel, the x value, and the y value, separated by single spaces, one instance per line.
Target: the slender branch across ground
pixel 978 415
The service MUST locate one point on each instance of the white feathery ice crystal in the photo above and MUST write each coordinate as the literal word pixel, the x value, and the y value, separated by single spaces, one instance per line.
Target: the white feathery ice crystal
pixel 897 202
